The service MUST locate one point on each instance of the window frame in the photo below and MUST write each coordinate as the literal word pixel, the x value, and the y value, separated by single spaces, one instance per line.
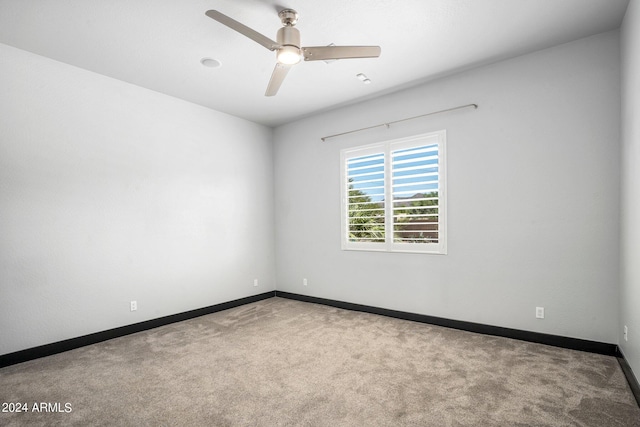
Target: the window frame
pixel 387 148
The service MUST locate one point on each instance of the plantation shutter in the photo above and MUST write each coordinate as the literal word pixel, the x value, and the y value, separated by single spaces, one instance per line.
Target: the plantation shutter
pixel 366 206
pixel 415 190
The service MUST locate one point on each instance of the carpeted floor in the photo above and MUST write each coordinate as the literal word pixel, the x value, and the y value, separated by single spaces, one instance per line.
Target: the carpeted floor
pixel 284 362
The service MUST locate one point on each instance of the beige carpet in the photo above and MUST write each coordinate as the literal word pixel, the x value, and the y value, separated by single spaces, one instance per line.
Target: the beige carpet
pixel 284 362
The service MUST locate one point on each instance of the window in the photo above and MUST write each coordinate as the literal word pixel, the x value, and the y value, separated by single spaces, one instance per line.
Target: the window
pixel 394 195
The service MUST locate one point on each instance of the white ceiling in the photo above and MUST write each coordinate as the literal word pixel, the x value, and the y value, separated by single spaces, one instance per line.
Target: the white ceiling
pixel 158 44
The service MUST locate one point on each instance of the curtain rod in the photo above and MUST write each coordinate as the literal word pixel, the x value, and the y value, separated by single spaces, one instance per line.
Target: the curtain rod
pixel 324 138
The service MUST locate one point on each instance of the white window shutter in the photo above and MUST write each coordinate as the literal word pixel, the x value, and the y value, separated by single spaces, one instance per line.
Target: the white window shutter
pixel 394 195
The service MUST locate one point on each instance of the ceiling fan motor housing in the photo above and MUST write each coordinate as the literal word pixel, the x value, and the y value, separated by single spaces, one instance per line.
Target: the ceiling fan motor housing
pixel 288 36
pixel 289 39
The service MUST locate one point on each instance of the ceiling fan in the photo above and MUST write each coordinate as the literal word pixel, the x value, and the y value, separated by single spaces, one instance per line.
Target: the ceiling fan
pixel 287 46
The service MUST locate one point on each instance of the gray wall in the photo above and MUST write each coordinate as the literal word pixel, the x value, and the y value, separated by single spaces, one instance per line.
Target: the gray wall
pixel 630 227
pixel 533 197
pixel 111 193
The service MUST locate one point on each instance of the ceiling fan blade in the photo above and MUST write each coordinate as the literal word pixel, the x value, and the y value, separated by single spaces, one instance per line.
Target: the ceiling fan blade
pixel 277 77
pixel 316 53
pixel 243 29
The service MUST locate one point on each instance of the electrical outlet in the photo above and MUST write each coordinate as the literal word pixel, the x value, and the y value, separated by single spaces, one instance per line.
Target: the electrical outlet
pixel 255 282
pixel 539 312
pixel 304 281
pixel 626 332
pixel 134 305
